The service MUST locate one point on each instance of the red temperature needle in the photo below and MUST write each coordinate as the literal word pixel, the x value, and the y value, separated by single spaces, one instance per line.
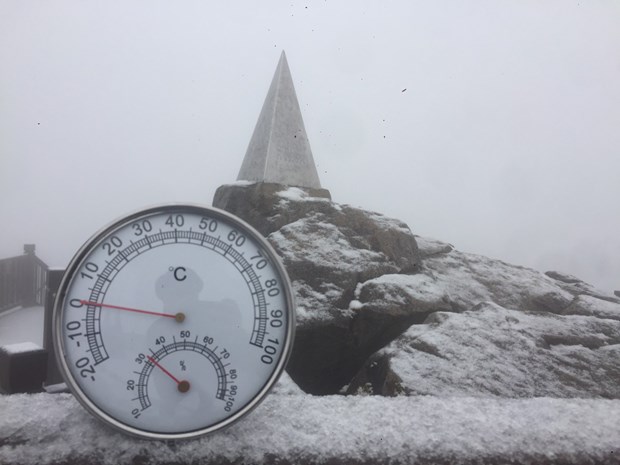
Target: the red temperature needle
pixel 178 316
pixel 182 386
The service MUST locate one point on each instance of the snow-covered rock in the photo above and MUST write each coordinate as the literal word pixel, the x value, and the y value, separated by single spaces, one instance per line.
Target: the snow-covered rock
pixel 491 350
pixel 496 329
pixel 383 312
pixel 328 249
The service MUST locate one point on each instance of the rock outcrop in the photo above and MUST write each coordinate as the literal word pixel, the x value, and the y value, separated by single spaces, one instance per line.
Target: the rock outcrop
pixel 497 329
pixel 381 311
pixel 328 249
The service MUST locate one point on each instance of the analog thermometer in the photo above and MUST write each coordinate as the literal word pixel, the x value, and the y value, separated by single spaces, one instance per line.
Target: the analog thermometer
pixel 173 322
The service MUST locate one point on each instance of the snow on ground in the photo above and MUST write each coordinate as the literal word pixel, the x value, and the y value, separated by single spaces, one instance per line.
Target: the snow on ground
pixel 20 347
pixel 22 325
pixel 299 428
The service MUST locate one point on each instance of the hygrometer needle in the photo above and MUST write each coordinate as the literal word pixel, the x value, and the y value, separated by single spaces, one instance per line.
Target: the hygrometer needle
pixel 177 316
pixel 182 386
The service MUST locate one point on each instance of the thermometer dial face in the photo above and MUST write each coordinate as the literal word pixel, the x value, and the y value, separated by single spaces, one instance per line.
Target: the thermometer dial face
pixel 173 322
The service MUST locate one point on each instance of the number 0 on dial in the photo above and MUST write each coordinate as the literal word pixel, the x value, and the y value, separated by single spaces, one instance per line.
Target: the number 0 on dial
pixel 173 322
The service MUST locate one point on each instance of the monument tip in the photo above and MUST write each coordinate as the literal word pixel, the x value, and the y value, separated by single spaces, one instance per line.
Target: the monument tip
pixel 279 150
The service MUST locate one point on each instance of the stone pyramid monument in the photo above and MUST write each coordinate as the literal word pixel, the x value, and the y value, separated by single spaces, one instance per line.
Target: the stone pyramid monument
pixel 279 151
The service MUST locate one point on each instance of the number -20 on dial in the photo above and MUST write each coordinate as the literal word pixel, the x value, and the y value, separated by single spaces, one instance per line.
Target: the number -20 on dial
pixel 173 322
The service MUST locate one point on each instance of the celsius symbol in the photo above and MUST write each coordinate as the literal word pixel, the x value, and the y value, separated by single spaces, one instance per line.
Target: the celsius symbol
pixel 179 273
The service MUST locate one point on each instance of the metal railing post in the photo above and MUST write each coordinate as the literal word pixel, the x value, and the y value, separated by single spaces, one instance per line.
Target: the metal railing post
pixel 54 276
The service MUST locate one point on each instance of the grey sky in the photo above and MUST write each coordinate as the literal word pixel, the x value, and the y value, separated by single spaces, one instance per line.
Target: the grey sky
pixel 506 141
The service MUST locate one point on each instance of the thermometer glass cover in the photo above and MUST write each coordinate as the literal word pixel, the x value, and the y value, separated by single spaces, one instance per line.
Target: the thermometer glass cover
pixel 173 322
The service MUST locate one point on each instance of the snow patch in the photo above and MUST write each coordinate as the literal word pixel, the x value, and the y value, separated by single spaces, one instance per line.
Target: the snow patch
pixel 240 183
pixel 293 194
pixel 20 347
pixel 329 245
pixel 388 223
pixel 589 305
pixel 429 247
pixel 296 194
pixel 469 279
pixel 419 287
pixel 311 305
pixel 355 305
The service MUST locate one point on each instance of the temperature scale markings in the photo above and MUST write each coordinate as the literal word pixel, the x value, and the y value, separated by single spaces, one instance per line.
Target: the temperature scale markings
pixel 127 254
pixel 246 268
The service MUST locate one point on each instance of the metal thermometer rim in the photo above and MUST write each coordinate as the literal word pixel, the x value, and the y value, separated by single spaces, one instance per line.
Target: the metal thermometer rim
pixel 96 239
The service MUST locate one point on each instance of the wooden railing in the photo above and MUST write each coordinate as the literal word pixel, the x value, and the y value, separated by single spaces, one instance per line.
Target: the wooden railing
pixel 22 280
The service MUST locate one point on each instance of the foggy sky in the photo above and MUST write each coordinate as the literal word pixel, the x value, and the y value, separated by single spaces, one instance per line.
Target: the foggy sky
pixel 494 126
